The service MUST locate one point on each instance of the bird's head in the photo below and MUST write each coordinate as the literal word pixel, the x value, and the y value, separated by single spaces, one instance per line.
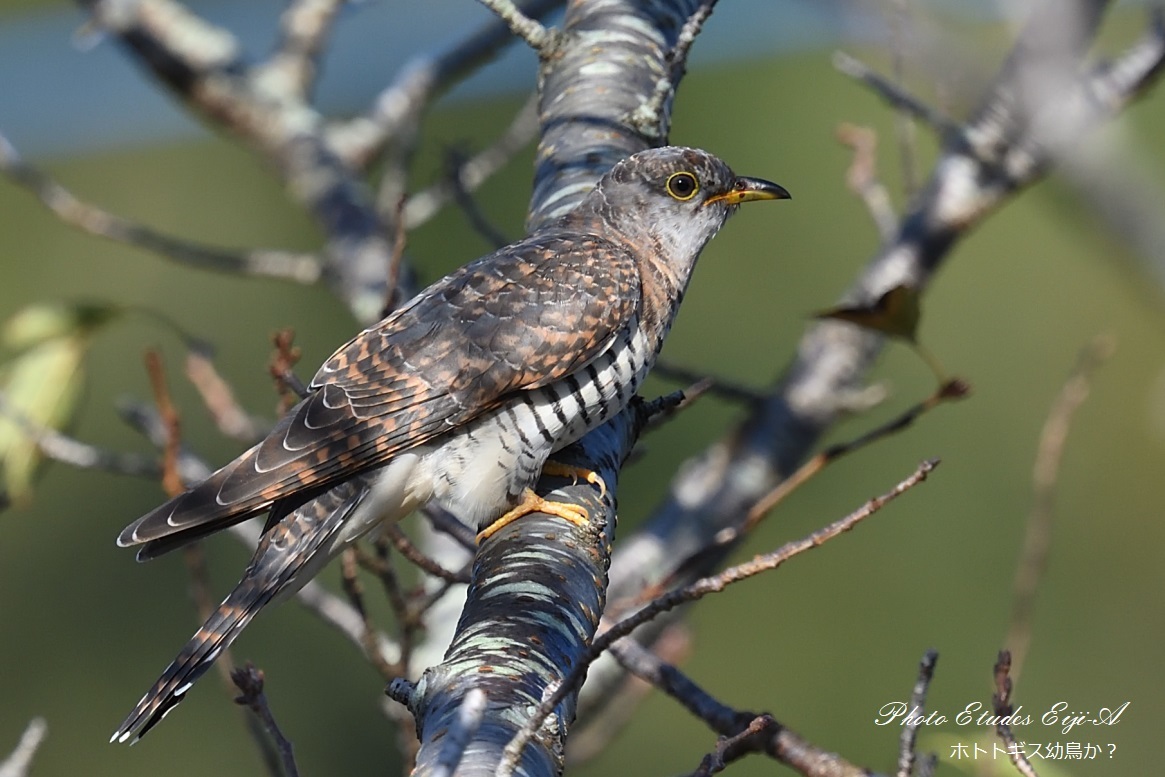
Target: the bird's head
pixel 674 199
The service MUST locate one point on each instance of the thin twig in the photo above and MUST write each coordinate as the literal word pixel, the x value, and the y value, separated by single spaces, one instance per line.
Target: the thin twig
pixel 717 386
pixel 649 667
pixel 219 398
pixel 715 762
pixel 1033 558
pixel 355 593
pixel 18 761
pixel 400 240
pixel 676 403
pixel 406 548
pixel 259 262
pixel 691 593
pixel 1003 709
pixel 445 522
pixel 591 737
pixel 402 604
pixel 192 554
pixel 537 36
pixel 473 213
pixel 291 389
pixel 893 93
pixel 908 741
pixel 68 450
pixel 171 479
pixel 347 620
pixel 398 108
pixel 477 169
pixel 862 178
pixel 250 682
pixel 954 389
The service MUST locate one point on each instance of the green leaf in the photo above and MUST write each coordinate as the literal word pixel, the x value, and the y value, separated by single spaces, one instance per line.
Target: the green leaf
pixel 43 382
pixel 43 322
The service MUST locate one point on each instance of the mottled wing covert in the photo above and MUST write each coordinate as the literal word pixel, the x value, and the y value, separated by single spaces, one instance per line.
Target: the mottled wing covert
pixel 517 319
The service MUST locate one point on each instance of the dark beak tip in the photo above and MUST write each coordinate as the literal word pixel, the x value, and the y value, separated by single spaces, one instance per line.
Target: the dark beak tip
pixel 766 189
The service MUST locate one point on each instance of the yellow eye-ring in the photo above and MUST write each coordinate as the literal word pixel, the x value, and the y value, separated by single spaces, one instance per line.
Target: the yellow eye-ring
pixel 682 186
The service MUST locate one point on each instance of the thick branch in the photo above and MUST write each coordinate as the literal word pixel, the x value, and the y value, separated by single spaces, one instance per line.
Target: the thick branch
pixel 612 56
pixel 533 606
pixel 203 67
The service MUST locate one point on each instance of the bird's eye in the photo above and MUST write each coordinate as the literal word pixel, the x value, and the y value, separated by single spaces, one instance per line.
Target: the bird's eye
pixel 682 186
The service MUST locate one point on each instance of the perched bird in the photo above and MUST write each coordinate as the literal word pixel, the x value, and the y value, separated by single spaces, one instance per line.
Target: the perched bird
pixel 460 395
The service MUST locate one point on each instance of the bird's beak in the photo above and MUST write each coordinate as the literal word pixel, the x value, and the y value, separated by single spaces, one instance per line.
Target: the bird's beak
pixel 748 189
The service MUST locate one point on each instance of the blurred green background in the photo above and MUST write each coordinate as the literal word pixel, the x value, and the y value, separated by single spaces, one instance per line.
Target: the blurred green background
pixel 824 642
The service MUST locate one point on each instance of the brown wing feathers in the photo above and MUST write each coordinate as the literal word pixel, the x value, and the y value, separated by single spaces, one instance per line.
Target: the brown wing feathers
pixel 517 319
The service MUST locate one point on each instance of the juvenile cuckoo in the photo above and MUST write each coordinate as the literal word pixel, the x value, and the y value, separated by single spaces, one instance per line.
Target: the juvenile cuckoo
pixel 460 396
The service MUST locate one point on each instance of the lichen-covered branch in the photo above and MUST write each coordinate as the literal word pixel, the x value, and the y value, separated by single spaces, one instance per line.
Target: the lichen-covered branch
pixel 611 56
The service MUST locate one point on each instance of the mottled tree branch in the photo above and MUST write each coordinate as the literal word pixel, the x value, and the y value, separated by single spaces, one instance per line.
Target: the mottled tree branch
pixel 258 262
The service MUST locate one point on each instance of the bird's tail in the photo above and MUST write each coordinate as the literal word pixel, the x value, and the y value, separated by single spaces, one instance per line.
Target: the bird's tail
pixel 215 636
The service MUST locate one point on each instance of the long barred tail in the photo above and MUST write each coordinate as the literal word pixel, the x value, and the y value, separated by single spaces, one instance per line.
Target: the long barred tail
pixel 207 644
pixel 293 547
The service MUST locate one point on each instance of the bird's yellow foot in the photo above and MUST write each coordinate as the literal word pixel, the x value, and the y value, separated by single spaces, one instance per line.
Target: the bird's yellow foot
pixel 570 471
pixel 532 503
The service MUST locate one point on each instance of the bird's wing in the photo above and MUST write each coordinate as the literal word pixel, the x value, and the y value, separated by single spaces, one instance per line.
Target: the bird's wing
pixel 520 318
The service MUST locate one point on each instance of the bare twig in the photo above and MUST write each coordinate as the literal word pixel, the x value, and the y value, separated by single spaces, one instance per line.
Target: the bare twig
pixel 355 593
pixel 906 745
pixel 954 389
pixel 204 66
pixel 447 523
pixel 406 548
pixel 397 110
pixel 714 385
pixel 342 616
pixel 716 761
pixel 1003 709
pixel 649 667
pixel 68 450
pixel 537 37
pixel 893 93
pixel 777 740
pixel 171 478
pixel 258 262
pixel 250 682
pixel 862 178
pixel 473 213
pixel 1033 558
pixel 291 389
pixel 219 398
pixel 394 295
pixel 18 761
pixel 590 737
pixel 477 169
pixel 694 592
